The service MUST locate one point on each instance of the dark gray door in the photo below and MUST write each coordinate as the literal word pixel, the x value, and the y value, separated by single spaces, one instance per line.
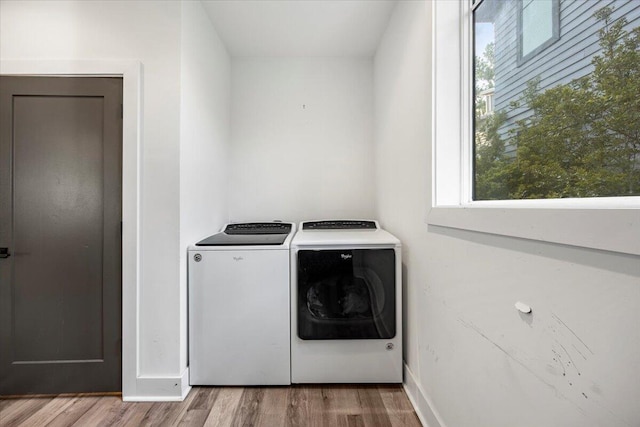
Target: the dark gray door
pixel 60 213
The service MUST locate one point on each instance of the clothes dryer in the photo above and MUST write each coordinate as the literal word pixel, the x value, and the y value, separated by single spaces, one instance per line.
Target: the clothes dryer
pixel 346 303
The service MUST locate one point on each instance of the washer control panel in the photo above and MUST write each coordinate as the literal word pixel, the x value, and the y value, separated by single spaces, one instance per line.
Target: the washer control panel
pixel 258 228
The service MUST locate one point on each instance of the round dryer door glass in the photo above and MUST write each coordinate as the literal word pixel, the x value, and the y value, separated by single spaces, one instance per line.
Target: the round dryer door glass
pixel 346 294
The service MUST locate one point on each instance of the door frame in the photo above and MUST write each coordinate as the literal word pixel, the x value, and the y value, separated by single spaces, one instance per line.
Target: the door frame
pixel 131 73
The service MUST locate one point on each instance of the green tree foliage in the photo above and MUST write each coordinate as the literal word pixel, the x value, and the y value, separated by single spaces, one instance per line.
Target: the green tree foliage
pixel 582 139
pixel 484 76
pixel 491 162
pixel 484 70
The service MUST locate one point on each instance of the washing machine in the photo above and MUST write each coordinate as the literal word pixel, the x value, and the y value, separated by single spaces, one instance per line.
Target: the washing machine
pixel 239 306
pixel 346 303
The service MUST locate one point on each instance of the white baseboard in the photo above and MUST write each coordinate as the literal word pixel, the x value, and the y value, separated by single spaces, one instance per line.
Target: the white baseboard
pixel 429 417
pixel 161 389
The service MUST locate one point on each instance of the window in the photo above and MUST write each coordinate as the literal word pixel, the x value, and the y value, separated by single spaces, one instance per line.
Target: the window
pixel 603 223
pixel 553 130
pixel 538 26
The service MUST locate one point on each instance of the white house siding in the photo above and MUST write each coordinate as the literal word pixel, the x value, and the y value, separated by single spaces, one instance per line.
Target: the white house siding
pixel 565 60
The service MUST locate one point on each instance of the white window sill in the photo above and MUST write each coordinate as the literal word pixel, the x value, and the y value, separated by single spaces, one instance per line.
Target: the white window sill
pixel 589 223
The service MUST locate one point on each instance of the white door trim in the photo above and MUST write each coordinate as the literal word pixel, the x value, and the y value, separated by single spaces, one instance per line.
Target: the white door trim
pixel 132 74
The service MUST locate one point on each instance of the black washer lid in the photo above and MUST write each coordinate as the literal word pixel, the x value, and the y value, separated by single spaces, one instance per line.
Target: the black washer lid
pixel 249 234
pixel 346 224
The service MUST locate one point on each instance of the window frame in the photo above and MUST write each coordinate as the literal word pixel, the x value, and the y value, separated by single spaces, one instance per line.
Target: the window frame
pixel 555 31
pixel 606 223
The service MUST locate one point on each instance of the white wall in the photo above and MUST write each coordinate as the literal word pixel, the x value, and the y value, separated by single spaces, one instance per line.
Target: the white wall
pixel 148 32
pixel 402 94
pixel 301 132
pixel 575 361
pixel 205 83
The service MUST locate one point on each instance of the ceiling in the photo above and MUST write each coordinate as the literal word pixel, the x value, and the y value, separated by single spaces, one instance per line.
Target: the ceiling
pixel 300 27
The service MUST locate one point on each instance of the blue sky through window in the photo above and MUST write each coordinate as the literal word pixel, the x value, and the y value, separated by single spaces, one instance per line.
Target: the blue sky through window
pixel 484 35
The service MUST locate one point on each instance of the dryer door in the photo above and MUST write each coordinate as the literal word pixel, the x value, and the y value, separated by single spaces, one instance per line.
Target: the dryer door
pixel 346 294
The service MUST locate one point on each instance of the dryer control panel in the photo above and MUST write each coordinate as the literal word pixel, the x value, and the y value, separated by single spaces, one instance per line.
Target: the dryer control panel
pixel 347 224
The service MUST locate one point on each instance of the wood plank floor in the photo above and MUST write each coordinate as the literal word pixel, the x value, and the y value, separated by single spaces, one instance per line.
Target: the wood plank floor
pixel 315 405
